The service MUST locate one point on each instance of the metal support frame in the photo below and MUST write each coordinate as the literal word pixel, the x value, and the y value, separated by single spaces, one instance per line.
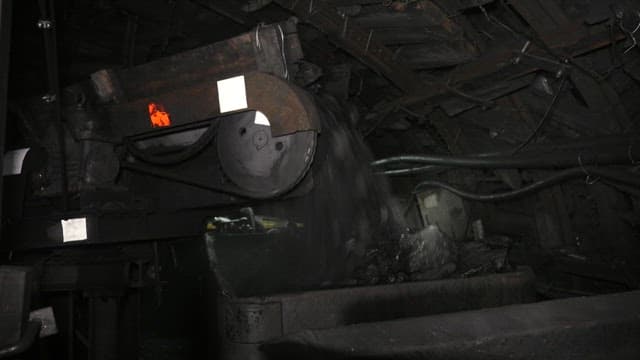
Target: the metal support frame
pixel 5 41
pixel 47 24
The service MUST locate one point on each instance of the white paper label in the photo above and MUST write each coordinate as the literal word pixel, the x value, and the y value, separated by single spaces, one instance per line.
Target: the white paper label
pixel 232 94
pixel 12 162
pixel 261 119
pixel 74 229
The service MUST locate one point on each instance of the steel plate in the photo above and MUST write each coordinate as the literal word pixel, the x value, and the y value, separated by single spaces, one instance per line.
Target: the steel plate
pixel 262 165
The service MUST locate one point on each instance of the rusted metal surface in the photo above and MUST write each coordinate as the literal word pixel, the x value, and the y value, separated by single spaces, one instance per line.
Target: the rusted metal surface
pixel 252 51
pixel 250 321
pixel 185 84
pixel 597 327
pixel 221 59
pixel 287 107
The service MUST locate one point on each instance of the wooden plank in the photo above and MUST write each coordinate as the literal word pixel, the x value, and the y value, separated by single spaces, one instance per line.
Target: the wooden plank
pixel 546 17
pixel 554 11
pixel 395 36
pixel 535 15
pixel 453 7
pixel 401 19
pixel 491 63
pixel 360 43
pixel 435 54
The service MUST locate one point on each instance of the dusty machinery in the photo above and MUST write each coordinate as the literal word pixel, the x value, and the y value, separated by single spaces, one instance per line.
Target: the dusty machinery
pixel 213 126
pixel 167 150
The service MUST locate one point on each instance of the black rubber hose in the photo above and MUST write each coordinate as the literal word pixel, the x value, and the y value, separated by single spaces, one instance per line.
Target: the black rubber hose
pixel 412 170
pixel 592 172
pixel 543 120
pixel 622 147
pixel 622 154
pixel 480 162
pixel 171 159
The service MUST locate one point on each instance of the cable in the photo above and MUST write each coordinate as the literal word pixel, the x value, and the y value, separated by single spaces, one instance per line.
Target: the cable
pixel 411 171
pixel 607 150
pixel 544 118
pixel 171 159
pixel 284 56
pixel 555 160
pixel 564 175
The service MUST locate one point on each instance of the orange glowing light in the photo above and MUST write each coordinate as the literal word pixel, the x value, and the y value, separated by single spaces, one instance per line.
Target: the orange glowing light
pixel 157 115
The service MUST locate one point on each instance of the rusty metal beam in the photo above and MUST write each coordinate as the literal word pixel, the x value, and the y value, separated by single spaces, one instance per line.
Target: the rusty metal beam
pixel 359 42
pixel 597 327
pixel 285 314
pixel 288 108
pixel 235 56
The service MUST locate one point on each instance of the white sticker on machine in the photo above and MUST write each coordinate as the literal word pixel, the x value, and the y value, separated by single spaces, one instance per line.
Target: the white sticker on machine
pixel 232 94
pixel 74 229
pixel 12 161
pixel 47 320
pixel 261 119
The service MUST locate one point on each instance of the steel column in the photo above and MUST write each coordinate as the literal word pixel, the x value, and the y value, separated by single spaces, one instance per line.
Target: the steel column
pixel 5 41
